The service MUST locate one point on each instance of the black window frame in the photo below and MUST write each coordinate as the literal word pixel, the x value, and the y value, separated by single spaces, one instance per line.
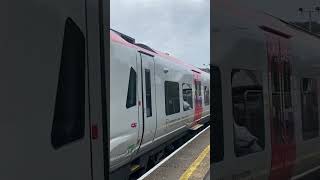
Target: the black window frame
pixel 190 98
pixel 69 112
pixel 206 94
pixel 132 85
pixel 216 126
pixel 167 110
pixel 313 97
pixel 148 92
pixel 245 90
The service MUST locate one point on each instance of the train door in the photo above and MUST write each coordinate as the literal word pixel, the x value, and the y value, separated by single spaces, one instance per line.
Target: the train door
pixel 148 99
pixel 45 116
pixel 281 117
pixel 197 97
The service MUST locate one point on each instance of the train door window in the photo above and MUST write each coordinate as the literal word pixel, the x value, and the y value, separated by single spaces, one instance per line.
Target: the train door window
pixel 132 86
pixel 69 113
pixel 206 96
pixel 309 105
pixel 199 89
pixel 248 112
pixel 196 88
pixel 217 140
pixel 198 92
pixel 187 97
pixel 148 93
pixel 172 101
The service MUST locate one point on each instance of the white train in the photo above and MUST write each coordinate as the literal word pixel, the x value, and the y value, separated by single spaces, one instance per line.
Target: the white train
pixel 54 74
pixel 266 79
pixel 154 98
pixel 53 87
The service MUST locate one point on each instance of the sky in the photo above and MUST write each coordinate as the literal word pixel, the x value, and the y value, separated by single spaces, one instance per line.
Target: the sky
pixel 178 27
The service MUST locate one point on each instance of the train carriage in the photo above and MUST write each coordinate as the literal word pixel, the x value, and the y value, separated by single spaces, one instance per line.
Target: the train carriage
pixel 266 83
pixel 154 98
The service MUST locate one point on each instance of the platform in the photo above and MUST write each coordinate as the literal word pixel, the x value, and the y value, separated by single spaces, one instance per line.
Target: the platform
pixel 192 161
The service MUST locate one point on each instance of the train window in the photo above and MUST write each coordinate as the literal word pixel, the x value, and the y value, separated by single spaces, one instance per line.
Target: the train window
pixel 172 98
pixel 309 105
pixel 69 113
pixel 248 113
pixel 282 115
pixel 199 88
pixel 206 96
pixel 148 93
pixel 132 86
pixel 187 97
pixel 198 97
pixel 217 136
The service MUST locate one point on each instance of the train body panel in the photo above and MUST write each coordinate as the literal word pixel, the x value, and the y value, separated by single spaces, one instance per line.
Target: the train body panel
pixel 124 109
pixel 166 100
pixel 47 49
pixel 278 61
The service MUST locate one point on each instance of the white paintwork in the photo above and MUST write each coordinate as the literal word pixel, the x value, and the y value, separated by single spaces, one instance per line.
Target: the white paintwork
pixel 31 46
pixel 239 43
pixel 157 128
pixel 149 122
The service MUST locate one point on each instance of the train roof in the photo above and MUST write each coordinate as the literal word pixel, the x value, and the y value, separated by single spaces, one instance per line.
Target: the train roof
pixel 293 26
pixel 238 14
pixel 128 41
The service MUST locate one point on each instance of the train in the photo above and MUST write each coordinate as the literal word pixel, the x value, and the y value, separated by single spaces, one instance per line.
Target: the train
pixel 154 97
pixel 52 70
pixel 55 93
pixel 265 76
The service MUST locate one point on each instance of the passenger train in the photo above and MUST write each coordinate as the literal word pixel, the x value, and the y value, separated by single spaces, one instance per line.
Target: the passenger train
pixel 53 89
pixel 154 98
pixel 266 93
pixel 55 74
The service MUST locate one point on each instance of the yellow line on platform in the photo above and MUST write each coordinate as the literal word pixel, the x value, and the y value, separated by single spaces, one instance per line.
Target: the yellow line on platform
pixel 195 164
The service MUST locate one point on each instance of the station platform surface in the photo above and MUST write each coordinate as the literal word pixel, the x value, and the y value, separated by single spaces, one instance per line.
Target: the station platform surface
pixel 191 162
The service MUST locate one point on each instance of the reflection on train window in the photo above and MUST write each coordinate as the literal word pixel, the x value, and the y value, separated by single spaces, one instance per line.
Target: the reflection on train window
pixel 248 114
pixel 172 97
pixel 148 93
pixel 198 88
pixel 198 97
pixel 206 96
pixel 282 113
pixel 309 105
pixel 187 96
pixel 131 95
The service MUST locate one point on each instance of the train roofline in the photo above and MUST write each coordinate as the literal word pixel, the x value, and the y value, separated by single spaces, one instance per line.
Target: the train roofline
pixel 128 41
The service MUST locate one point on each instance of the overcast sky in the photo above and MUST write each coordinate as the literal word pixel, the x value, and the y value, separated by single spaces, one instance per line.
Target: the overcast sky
pixel 178 27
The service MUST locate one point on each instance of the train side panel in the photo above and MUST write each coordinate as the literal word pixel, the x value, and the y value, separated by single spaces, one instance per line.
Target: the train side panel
pixel 206 98
pixel 170 75
pixel 164 106
pixel 125 124
pixel 306 100
pixel 286 57
pixel 241 58
pixel 147 92
pixel 38 139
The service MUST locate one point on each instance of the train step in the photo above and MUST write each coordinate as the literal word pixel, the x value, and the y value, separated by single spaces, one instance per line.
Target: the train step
pixel 195 127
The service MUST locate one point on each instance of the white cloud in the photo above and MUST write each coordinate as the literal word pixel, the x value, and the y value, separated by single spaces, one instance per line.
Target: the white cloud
pixel 179 27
